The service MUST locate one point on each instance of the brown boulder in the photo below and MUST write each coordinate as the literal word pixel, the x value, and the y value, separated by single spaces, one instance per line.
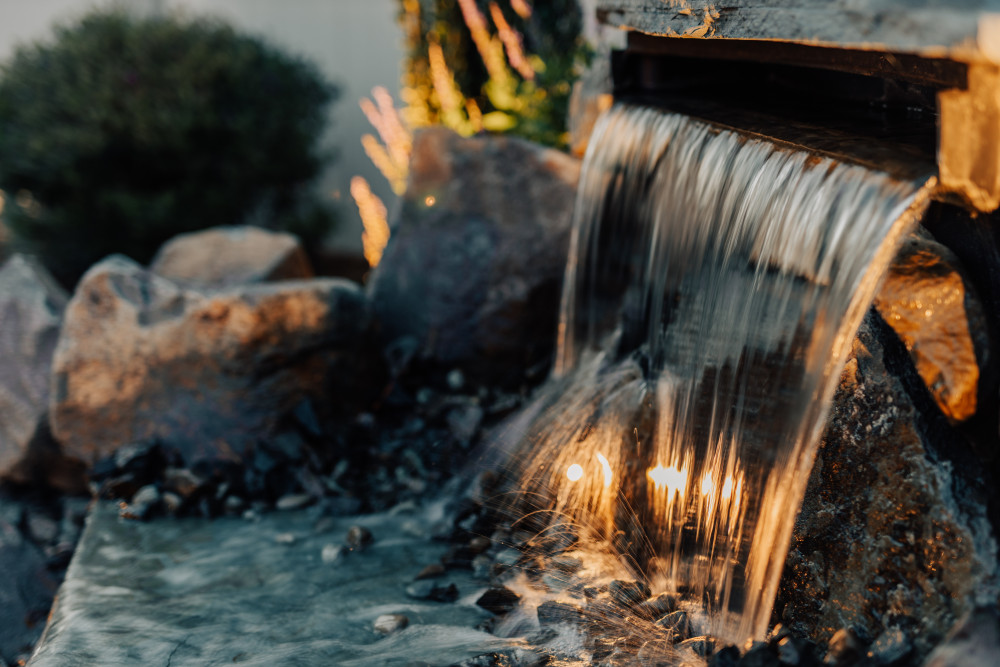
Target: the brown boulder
pixel 226 256
pixel 206 374
pixel 472 271
pixel 929 302
pixel 893 532
pixel 31 309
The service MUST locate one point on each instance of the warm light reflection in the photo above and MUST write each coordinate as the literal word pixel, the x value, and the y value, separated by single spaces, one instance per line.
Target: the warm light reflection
pixel 727 488
pixel 707 485
pixel 606 467
pixel 574 472
pixel 430 200
pixel 671 478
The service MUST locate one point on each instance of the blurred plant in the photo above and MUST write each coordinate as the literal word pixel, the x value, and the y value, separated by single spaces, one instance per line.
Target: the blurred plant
pixel 125 131
pixel 526 95
pixel 515 77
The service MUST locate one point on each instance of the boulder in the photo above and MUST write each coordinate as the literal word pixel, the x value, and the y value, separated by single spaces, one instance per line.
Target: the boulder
pixel 473 269
pixel 205 374
pixel 227 256
pixel 973 642
pixel 31 309
pixel 893 538
pixel 930 304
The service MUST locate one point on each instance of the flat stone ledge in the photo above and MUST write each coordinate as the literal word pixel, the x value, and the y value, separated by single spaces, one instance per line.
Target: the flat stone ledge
pixel 225 591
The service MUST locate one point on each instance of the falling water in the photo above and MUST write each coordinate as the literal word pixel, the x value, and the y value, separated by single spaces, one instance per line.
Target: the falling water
pixel 713 288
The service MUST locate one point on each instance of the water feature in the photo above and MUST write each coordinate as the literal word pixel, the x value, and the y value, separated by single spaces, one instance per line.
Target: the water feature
pixel 712 292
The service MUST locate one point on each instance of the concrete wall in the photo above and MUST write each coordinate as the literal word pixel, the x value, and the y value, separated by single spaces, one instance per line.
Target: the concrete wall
pixel 355 42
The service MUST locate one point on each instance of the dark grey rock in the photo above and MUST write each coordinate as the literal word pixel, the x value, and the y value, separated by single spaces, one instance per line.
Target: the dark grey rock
pixel 892 647
pixel 498 600
pixel 845 648
pixel 145 501
pixel 473 278
pixel 657 606
pixel 552 612
pixel 228 256
pixel 727 656
pixel 31 309
pixel 464 421
pixel 210 376
pixel 894 521
pixel 628 593
pixel 26 592
pixel 702 646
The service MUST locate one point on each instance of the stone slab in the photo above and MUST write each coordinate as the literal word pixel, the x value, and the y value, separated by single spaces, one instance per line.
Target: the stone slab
pixel 232 591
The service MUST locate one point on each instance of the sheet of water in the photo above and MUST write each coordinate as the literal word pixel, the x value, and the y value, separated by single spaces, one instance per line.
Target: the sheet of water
pixel 713 288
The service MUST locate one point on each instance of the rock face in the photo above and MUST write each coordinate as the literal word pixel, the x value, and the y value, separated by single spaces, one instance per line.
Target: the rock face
pixel 227 256
pixel 473 269
pixel 927 300
pixel 31 308
pixel 209 375
pixel 893 534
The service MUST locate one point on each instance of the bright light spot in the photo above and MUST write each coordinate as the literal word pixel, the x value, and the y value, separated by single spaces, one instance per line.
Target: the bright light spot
pixel 608 474
pixel 707 485
pixel 574 472
pixel 673 479
pixel 430 200
pixel 727 488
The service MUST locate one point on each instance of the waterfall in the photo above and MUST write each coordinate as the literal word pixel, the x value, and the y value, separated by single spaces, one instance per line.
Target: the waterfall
pixel 712 292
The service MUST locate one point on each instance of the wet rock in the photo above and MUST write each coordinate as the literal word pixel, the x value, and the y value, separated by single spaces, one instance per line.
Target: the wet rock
pixel 552 612
pixel 628 593
pixel 677 624
pixel 499 600
pixel 797 652
pixel 973 642
pixel 464 422
pixel 227 256
pixel 387 624
pixel 760 655
pixel 42 529
pixel 358 537
pixel 31 308
pixel 894 522
pixel 427 589
pixel 207 376
pixel 182 481
pixel 508 557
pixel 473 268
pixel 658 606
pixel 929 302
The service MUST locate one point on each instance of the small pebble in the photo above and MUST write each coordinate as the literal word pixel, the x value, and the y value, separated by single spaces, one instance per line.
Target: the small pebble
pixel 455 379
pixel 386 624
pixel 358 537
pixel 432 590
pixel 143 503
pixel 479 544
pixel 233 505
pixel 42 528
pixel 285 538
pixel 331 553
pixel 293 501
pixel 172 502
pixel 431 571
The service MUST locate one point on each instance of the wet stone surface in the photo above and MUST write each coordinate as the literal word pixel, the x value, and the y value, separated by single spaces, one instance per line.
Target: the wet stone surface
pixel 195 592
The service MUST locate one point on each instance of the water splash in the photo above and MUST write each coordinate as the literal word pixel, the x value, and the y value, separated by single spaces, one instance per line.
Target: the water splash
pixel 712 291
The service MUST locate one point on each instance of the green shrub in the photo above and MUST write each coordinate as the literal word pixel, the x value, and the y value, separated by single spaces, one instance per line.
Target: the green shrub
pixel 125 131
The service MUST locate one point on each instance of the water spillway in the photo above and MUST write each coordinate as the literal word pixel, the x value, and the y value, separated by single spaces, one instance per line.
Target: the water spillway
pixel 711 295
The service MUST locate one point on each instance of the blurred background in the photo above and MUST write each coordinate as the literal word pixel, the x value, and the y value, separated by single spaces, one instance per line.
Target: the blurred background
pixel 116 134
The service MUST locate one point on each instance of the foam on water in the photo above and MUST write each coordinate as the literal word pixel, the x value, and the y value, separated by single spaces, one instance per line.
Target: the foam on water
pixel 712 292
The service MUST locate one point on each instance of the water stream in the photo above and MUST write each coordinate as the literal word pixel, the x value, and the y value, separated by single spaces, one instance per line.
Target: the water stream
pixel 712 291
